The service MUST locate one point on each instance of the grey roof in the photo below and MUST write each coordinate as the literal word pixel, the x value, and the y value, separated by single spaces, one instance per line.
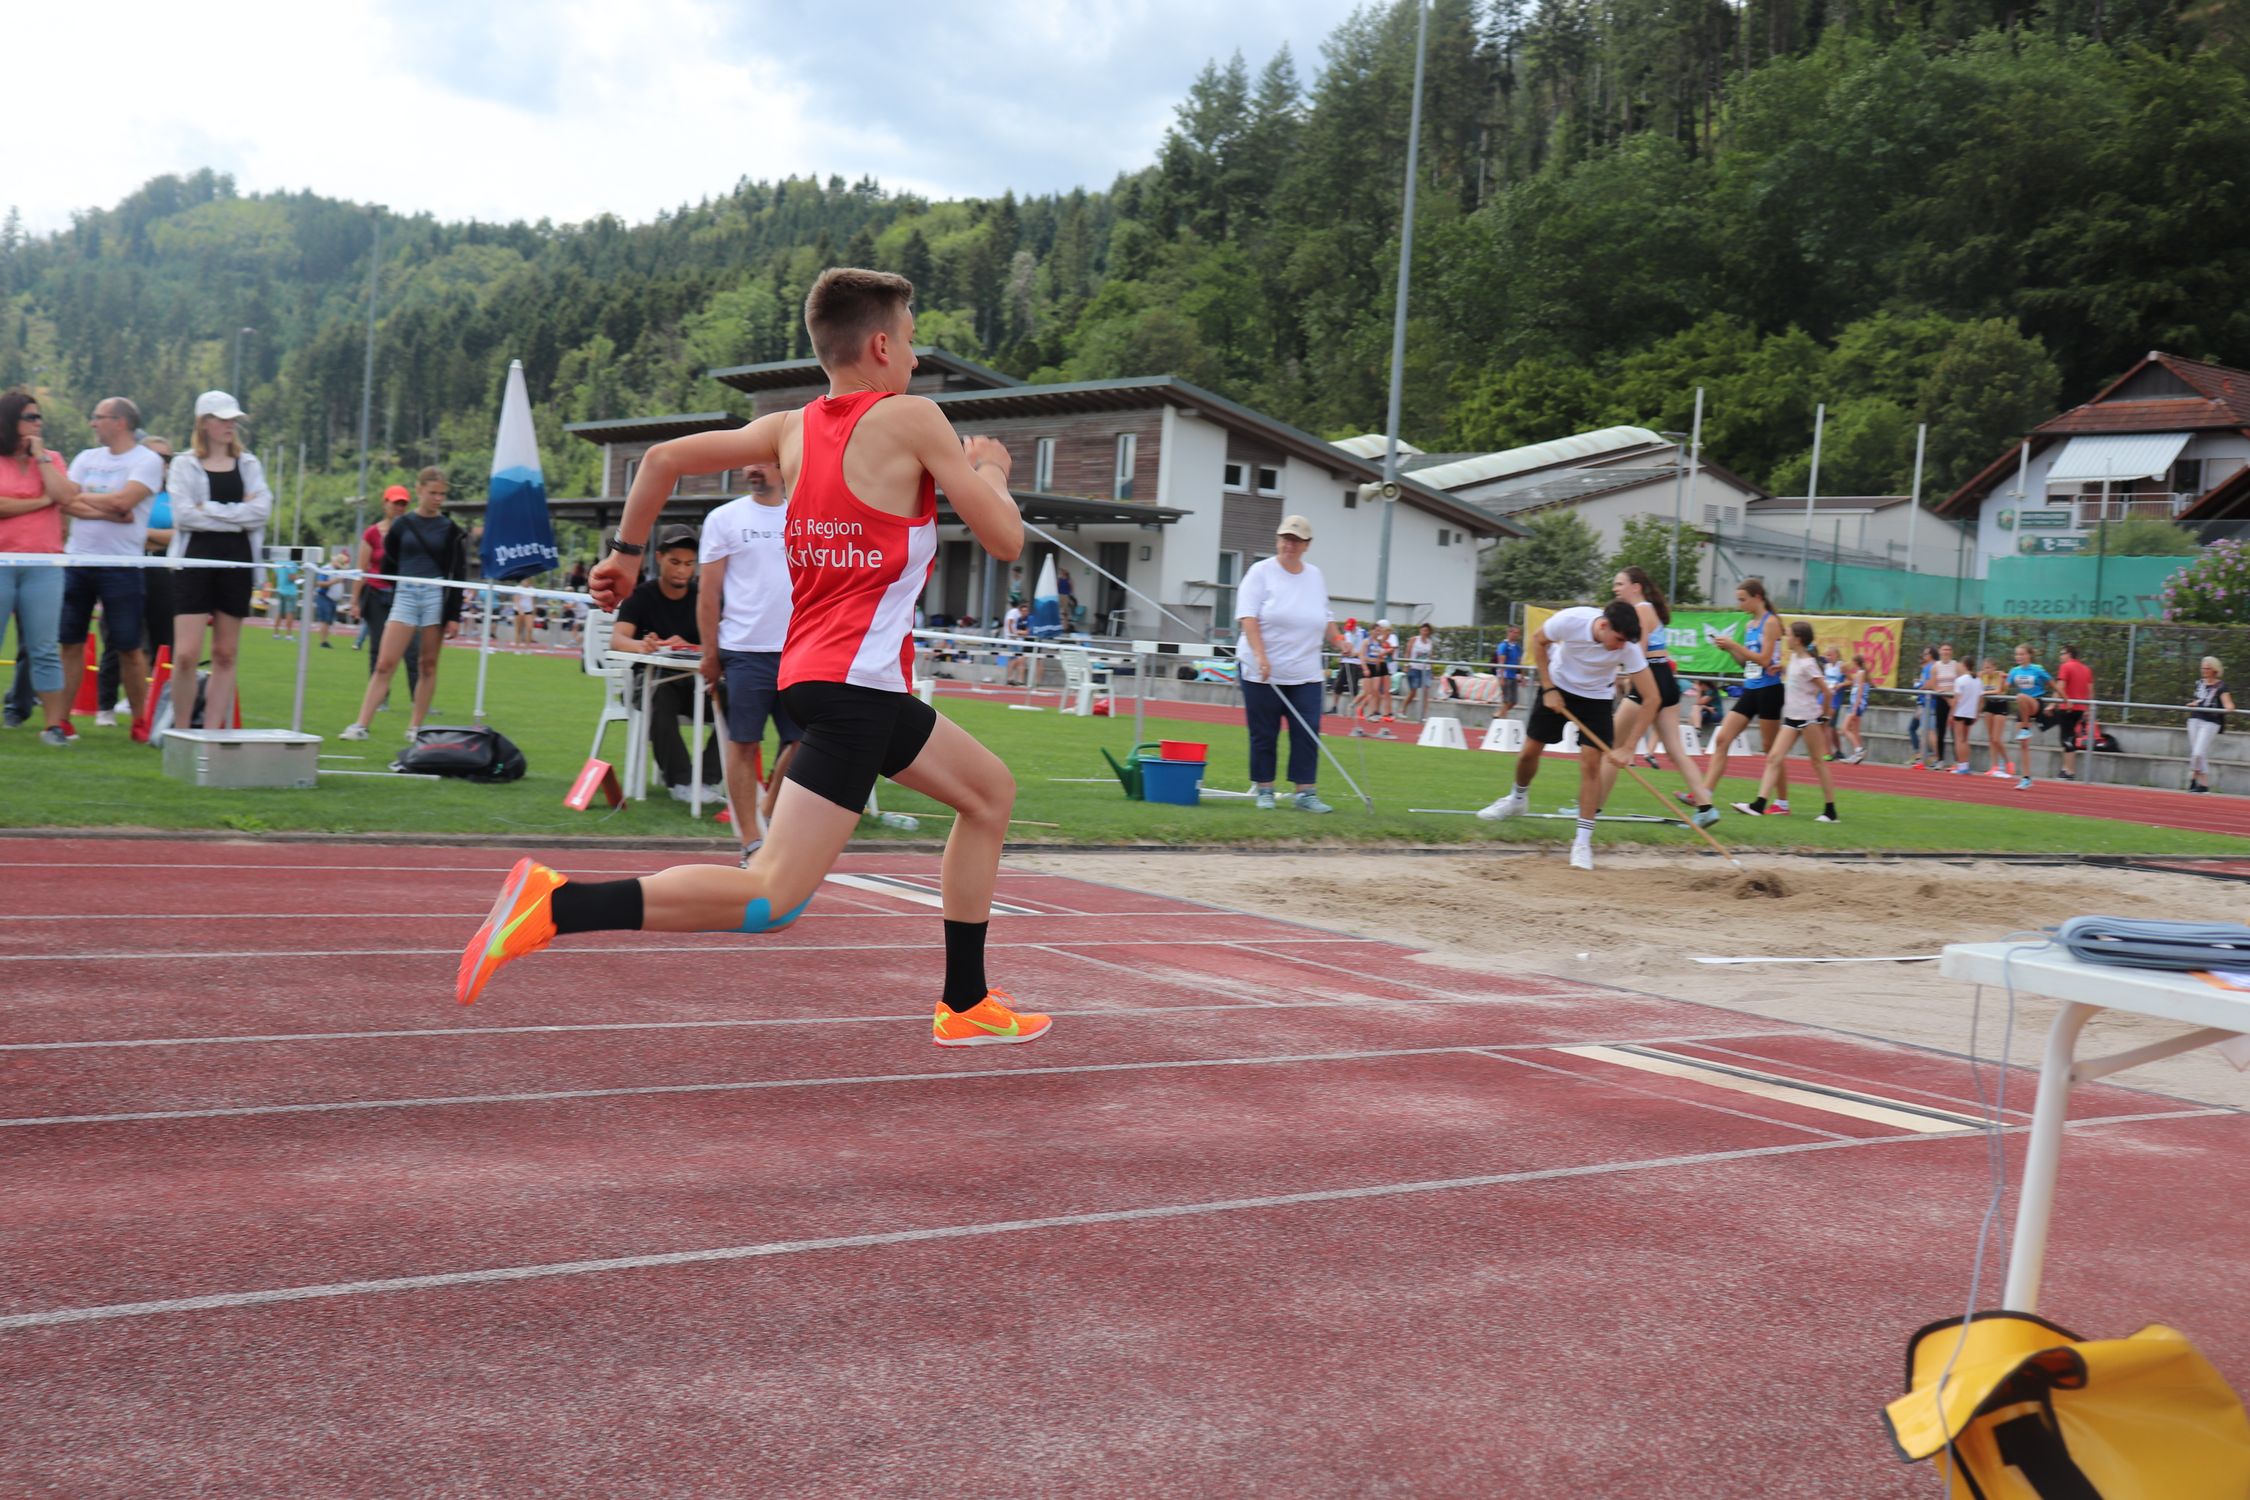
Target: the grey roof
pixel 1568 487
pixel 653 429
pixel 779 373
pixel 1430 460
pixel 1785 504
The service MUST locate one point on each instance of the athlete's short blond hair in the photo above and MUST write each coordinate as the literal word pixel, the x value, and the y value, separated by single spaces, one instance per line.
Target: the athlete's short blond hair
pixel 847 304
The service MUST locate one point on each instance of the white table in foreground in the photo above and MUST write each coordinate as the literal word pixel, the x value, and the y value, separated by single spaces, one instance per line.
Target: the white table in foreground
pixel 645 670
pixel 2215 1014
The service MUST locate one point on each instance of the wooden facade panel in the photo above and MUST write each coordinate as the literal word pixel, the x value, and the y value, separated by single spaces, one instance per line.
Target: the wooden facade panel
pixel 1247 524
pixel 1085 448
pixel 615 456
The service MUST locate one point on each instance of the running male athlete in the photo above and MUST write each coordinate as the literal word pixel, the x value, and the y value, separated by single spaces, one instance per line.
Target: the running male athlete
pixel 861 465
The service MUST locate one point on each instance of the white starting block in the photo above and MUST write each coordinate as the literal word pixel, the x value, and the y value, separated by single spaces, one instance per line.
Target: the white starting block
pixel 1691 739
pixel 1568 744
pixel 1505 734
pixel 1443 732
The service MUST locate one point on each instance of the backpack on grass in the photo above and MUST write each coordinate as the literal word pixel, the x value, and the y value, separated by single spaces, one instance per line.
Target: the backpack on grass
pixel 467 751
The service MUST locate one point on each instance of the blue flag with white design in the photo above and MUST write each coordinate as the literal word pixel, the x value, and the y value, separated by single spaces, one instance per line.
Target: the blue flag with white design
pixel 519 536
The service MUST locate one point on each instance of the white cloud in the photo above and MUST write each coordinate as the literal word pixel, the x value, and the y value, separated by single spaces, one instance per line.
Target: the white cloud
pixel 567 110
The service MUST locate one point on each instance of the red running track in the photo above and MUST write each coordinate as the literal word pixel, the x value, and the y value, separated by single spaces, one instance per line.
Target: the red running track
pixel 2152 806
pixel 1273 1212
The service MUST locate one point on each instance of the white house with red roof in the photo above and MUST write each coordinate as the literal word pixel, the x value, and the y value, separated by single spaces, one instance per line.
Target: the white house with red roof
pixel 2170 439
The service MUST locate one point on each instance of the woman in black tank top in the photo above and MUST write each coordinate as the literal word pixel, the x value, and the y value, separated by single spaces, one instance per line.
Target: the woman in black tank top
pixel 219 508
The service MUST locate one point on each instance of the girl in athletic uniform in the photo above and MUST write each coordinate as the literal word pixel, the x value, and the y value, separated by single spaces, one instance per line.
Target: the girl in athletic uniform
pixel 1805 683
pixel 1634 718
pixel 861 465
pixel 1852 719
pixel 1759 652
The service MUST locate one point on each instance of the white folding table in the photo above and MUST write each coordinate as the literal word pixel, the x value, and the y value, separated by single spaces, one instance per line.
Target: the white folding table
pixel 645 672
pixel 2216 1015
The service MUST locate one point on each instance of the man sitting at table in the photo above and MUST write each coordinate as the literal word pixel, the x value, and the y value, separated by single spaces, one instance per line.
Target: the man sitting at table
pixel 660 616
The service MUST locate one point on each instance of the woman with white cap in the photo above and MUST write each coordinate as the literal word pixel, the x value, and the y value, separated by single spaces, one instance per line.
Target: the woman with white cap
pixel 1282 607
pixel 219 507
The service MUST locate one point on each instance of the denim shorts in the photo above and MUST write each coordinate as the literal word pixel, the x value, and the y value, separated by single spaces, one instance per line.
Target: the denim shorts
pixel 122 594
pixel 418 604
pixel 754 695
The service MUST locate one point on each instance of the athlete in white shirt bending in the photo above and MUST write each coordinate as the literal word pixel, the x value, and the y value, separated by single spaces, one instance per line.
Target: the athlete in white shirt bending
pixel 1576 658
pixel 742 611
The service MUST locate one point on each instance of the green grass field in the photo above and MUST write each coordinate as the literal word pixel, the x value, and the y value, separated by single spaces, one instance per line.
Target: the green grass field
pixel 546 705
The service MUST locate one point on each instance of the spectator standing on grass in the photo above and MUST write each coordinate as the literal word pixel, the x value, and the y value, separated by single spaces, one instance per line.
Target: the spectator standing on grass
pixel 1014 630
pixel 34 488
pixel 1419 653
pixel 329 602
pixel 372 597
pixel 219 507
pixel 423 547
pixel 2208 708
pixel 2074 680
pixel 661 615
pixel 117 480
pixel 1920 707
pixel 742 610
pixel 1508 657
pixel 1282 608
pixel 156 598
pixel 286 577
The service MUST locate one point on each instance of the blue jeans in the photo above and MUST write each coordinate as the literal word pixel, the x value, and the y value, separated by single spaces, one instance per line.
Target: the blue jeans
pixel 1263 710
pixel 34 597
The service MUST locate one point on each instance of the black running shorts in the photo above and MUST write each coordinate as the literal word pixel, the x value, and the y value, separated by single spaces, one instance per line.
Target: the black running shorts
pixel 1760 703
pixel 851 735
pixel 1667 685
pixel 1546 726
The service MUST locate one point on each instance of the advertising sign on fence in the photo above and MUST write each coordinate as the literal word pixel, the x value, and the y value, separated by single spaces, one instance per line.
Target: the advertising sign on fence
pixel 1689 639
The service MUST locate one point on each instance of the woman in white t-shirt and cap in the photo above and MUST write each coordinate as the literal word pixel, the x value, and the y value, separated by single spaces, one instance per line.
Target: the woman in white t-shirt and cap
pixel 1282 607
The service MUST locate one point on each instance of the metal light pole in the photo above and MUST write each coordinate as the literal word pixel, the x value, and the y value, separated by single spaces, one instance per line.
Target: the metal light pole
pixel 239 335
pixel 1398 316
pixel 1679 483
pixel 1694 468
pixel 1812 490
pixel 367 378
pixel 1914 507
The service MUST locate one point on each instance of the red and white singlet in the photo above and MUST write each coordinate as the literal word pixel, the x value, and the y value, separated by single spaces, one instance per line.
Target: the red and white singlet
pixel 854 571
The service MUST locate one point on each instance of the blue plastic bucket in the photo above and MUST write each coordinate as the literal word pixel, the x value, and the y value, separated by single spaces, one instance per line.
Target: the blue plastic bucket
pixel 1179 782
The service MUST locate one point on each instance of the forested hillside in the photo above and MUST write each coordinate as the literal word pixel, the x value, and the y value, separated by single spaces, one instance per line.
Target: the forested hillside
pixel 1949 212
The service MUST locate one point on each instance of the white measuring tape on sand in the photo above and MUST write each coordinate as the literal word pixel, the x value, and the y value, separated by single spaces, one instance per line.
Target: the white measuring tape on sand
pixel 1888 958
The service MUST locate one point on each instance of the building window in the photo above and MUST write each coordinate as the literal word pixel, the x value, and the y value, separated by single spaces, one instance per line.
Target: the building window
pixel 1444 537
pixel 1222 597
pixel 1043 465
pixel 632 472
pixel 1351 499
pixel 1269 480
pixel 1127 449
pixel 1236 478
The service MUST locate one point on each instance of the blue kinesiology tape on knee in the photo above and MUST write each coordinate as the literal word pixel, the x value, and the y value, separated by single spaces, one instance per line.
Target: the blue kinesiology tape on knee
pixel 758 916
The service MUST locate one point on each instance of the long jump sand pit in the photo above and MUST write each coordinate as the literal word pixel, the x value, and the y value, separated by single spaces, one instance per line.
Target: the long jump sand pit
pixel 1640 920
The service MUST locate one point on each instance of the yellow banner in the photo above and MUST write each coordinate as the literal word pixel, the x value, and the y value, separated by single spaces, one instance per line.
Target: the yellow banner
pixel 1874 637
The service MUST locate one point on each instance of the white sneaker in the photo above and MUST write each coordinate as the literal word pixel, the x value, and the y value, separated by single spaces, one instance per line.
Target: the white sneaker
pixel 714 793
pixel 104 719
pixel 1581 855
pixel 1509 806
pixel 353 732
pixel 680 793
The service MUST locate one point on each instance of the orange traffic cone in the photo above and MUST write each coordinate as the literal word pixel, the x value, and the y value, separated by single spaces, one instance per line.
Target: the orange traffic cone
pixel 159 682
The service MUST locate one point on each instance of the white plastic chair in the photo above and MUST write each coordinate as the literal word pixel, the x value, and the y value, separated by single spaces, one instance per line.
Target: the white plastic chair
pixel 1081 678
pixel 591 651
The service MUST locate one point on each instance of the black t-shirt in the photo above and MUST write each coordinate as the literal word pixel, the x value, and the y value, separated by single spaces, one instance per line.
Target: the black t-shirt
pixel 654 617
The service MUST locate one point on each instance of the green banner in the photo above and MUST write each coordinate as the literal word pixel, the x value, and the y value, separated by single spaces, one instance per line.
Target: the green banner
pixel 1688 638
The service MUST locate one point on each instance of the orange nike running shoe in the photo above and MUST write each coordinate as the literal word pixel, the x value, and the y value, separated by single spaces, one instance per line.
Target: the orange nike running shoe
pixel 988 1023
pixel 520 922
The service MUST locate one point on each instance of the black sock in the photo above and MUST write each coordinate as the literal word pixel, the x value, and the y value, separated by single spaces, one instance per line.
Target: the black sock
pixel 1757 804
pixel 597 906
pixel 1702 807
pixel 1831 810
pixel 964 964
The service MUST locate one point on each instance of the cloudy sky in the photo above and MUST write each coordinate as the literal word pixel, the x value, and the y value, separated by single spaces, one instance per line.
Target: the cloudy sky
pixel 569 108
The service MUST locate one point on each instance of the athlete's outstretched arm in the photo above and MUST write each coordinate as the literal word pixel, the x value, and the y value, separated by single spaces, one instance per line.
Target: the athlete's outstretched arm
pixel 662 468
pixel 974 475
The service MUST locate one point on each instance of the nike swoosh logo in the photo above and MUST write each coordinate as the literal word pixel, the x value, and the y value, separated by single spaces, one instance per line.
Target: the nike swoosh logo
pixel 500 938
pixel 1013 1027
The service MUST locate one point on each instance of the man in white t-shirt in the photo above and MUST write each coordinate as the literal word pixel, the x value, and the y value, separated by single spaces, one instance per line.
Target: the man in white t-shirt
pixel 117 482
pixel 1016 626
pixel 1576 658
pixel 742 608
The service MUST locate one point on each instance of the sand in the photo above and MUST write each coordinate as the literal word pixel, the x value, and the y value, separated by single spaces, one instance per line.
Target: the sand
pixel 1640 920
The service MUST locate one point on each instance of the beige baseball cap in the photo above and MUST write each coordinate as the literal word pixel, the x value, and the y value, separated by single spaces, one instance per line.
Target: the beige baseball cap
pixel 1296 526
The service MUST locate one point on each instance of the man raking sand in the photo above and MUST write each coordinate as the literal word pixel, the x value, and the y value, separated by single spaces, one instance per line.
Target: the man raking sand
pixel 861 465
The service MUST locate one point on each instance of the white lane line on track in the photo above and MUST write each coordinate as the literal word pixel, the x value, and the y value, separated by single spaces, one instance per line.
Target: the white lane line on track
pixel 1895 1115
pixel 1154 1213
pixel 757 1022
pixel 755 1085
pixel 1174 976
pixel 1267 948
pixel 1502 1055
pixel 633 950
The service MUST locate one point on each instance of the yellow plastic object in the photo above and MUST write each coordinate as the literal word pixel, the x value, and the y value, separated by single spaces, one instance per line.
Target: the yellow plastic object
pixel 2031 1411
